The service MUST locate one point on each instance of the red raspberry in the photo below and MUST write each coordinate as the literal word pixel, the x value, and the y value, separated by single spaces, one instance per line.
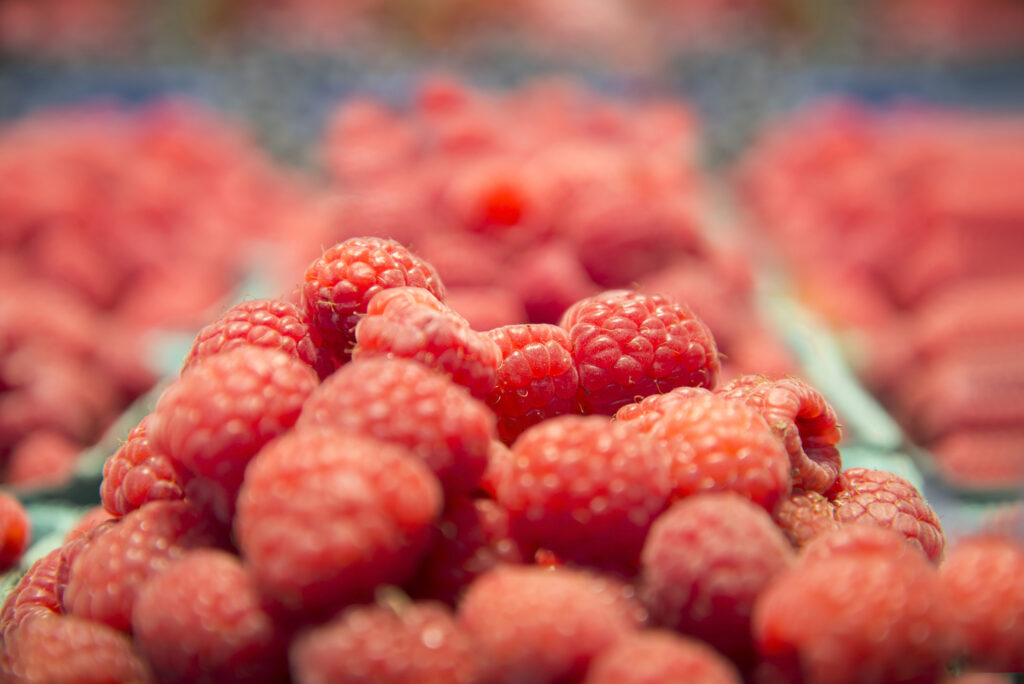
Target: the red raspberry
pixel 418 643
pixel 538 625
pixel 270 323
pixel 485 308
pixel 655 657
pixel 200 620
pixel 404 402
pixel 859 538
pixel 340 284
pixel 537 378
pixel 34 594
pixel 214 418
pixel 803 420
pixel 70 552
pixel 804 516
pixel 498 454
pixel 585 488
pixel 91 518
pixel 43 459
pixel 411 323
pixel 324 517
pixel 705 562
pixel 548 279
pixel 883 499
pixel 628 345
pixel 106 575
pixel 15 531
pixel 984 575
pixel 134 474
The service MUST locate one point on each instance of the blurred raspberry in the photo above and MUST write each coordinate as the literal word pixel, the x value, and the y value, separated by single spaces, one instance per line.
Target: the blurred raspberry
pixel 15 531
pixel 44 459
pixel 485 308
pixel 461 259
pixel 803 516
pixel 34 594
pixel 857 539
pixel 981 459
pixel 498 455
pixel 134 475
pixel 70 552
pixel 89 519
pixel 655 656
pixel 548 279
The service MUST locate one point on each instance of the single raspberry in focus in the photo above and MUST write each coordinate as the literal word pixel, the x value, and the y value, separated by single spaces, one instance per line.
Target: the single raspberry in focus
pixel 135 474
pixel 415 643
pixel 15 531
pixel 656 656
pixel 705 562
pixel 803 516
pixel 325 517
pixel 628 345
pixel 536 380
pixel 339 285
pixel 404 402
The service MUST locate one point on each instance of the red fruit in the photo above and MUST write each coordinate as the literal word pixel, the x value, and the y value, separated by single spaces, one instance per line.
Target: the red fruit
pixel 628 345
pixel 705 562
pixel 325 517
pixel 411 323
pixel 485 308
pixel 585 488
pixel 984 576
pixel 91 518
pixel 200 620
pixel 645 414
pixel 135 475
pixel 45 458
pixel 804 516
pixel 340 284
pixel 536 380
pixel 70 552
pixel 859 538
pixel 15 531
pixel 548 279
pixel 404 402
pixel 214 418
pixel 656 657
pixel 34 594
pixel 802 419
pixel 533 624
pixel 108 572
pixel 418 643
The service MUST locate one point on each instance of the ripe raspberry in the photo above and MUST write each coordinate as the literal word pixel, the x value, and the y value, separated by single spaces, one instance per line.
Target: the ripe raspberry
pixel 719 445
pixel 324 517
pixel 883 499
pixel 91 518
pixel 134 474
pixel 106 575
pixel 44 458
pixel 411 323
pixel 34 594
pixel 404 402
pixel 15 531
pixel 214 418
pixel 984 575
pixel 485 308
pixel 803 516
pixel 802 419
pixel 418 643
pixel 859 538
pixel 656 657
pixel 548 279
pixel 585 488
pixel 270 323
pixel 628 345
pixel 69 553
pixel 340 284
pixel 537 378
pixel 498 454
pixel 538 625
pixel 200 620
pixel 705 562
pixel 645 414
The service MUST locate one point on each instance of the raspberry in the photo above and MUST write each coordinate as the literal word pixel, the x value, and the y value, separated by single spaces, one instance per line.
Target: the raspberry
pixel 585 488
pixel 485 308
pixel 106 575
pixel 324 517
pixel 43 459
pixel 656 657
pixel 404 402
pixel 340 284
pixel 859 538
pixel 984 575
pixel 214 418
pixel 70 552
pixel 498 455
pixel 532 624
pixel 548 279
pixel 705 562
pixel 537 378
pixel 270 323
pixel 883 499
pixel 34 594
pixel 200 620
pixel 135 474
pixel 628 345
pixel 645 414
pixel 418 643
pixel 803 420
pixel 15 531
pixel 411 323
pixel 91 518
pixel 804 516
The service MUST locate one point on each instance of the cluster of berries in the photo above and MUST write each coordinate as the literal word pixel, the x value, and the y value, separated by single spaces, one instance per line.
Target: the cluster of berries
pixel 357 486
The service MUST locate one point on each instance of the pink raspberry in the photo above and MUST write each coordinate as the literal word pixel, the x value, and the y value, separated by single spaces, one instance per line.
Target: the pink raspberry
pixel 804 516
pixel 70 552
pixel 537 378
pixel 214 418
pixel 91 518
pixel 655 657
pixel 43 459
pixel 15 531
pixel 200 620
pixel 34 594
pixel 485 308
pixel 705 562
pixel 325 517
pixel 340 284
pixel 411 323
pixel 418 643
pixel 859 538
pixel 628 345
pixel 803 420
pixel 134 475
pixel 532 624
pixel 404 402
pixel 548 279
pixel 643 415
pixel 586 489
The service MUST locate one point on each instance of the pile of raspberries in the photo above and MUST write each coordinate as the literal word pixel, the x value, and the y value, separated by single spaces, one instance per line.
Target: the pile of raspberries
pixel 351 484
